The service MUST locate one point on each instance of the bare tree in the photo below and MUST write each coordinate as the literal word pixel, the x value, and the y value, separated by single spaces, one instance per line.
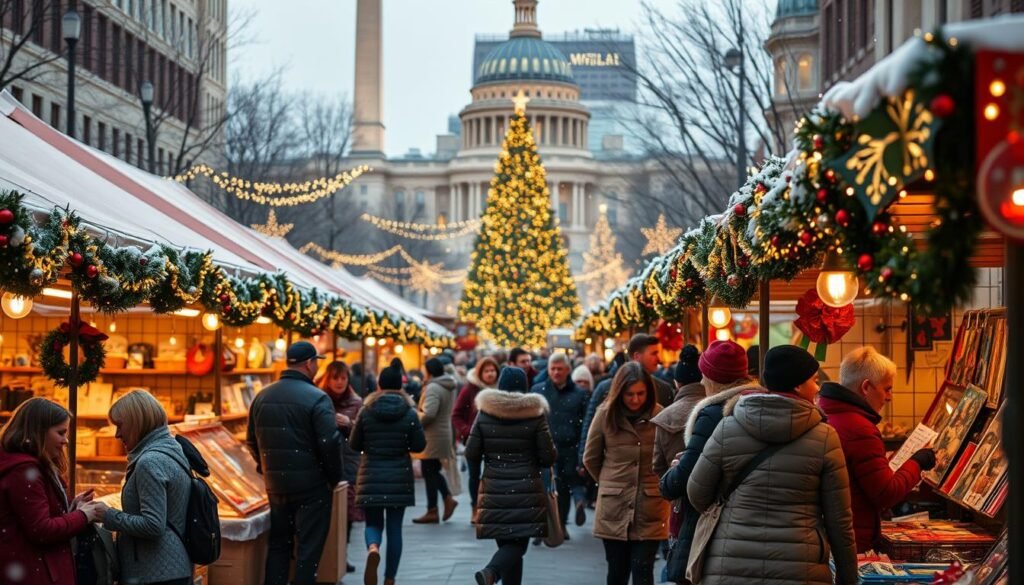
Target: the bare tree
pixel 688 115
pixel 24 23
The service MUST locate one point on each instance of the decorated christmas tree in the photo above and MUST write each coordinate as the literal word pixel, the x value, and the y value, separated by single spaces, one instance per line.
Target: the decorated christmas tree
pixel 604 270
pixel 519 285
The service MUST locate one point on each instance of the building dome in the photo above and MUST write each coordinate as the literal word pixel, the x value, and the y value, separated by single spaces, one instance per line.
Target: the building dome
pixel 791 8
pixel 524 58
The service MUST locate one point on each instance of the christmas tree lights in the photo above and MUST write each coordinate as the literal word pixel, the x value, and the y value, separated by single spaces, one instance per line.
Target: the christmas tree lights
pixel 604 259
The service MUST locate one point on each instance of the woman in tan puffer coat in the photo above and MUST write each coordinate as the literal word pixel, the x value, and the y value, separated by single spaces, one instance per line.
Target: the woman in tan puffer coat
pixel 784 519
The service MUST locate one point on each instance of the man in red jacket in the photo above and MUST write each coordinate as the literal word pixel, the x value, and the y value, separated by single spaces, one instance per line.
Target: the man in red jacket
pixel 853 407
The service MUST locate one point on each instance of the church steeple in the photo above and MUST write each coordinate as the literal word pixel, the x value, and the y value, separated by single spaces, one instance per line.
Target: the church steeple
pixel 526 19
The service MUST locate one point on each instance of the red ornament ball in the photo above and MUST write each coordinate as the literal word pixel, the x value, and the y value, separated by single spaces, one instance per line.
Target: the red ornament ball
pixel 776 241
pixel 143 260
pixel 224 298
pixel 75 259
pixel 886 273
pixel 806 237
pixel 740 209
pixel 818 141
pixel 92 271
pixel 879 227
pixel 6 216
pixel 822 195
pixel 942 105
pixel 830 175
pixel 742 262
pixel 843 217
pixel 227 309
pixel 672 274
pixel 865 262
pixel 689 283
pixel 4 240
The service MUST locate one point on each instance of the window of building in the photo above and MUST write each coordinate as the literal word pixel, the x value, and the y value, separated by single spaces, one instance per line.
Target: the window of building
pixel 17 92
pixel 421 198
pixel 160 161
pixel 101 136
pixel 115 139
pixel 87 130
pixel 140 147
pixel 563 211
pixel 780 77
pixel 128 147
pixel 805 72
pixel 55 115
pixel 363 189
pixel 613 210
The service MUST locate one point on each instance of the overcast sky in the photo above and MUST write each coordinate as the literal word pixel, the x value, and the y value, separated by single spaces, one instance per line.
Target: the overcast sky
pixel 428 50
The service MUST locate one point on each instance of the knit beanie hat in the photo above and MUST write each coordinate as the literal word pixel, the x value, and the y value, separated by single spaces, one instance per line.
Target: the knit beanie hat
pixel 724 362
pixel 788 366
pixel 513 379
pixel 583 373
pixel 435 367
pixel 687 371
pixel 390 379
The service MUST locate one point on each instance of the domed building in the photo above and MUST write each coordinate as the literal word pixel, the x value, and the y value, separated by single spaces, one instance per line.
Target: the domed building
pixel 451 185
pixel 794 47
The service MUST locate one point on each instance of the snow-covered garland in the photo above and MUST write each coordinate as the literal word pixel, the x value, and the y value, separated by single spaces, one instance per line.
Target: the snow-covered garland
pixel 115 279
pixel 790 212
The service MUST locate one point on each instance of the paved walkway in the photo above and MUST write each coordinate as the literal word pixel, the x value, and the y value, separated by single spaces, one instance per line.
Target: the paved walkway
pixel 449 553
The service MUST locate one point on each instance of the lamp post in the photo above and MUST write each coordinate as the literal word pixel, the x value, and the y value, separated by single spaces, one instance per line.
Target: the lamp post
pixel 734 59
pixel 146 93
pixel 71 28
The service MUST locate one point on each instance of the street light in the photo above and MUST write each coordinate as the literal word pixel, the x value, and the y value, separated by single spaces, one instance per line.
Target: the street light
pixel 146 93
pixel 71 27
pixel 733 61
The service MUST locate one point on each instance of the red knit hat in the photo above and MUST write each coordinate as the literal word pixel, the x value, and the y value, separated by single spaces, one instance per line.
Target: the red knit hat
pixel 724 362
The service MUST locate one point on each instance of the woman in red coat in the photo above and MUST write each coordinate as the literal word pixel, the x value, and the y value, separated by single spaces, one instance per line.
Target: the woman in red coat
pixel 36 518
pixel 483 376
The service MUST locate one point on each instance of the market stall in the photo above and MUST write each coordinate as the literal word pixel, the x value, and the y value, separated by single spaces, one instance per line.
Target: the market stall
pixel 905 187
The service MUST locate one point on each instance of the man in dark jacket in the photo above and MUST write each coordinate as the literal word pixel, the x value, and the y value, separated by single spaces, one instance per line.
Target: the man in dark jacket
pixel 295 441
pixel 568 404
pixel 853 406
pixel 644 349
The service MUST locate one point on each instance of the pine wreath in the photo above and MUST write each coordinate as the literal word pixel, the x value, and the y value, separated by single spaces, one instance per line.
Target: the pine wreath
pixel 51 353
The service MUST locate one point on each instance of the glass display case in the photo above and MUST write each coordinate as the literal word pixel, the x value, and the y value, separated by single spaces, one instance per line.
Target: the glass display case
pixel 233 475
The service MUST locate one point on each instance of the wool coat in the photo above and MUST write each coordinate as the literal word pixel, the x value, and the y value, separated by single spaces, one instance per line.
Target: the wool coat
pixel 349 404
pixel 154 498
pixel 435 412
pixel 671 422
pixel 512 438
pixel 465 410
pixel 36 525
pixel 629 505
pixel 386 431
pixel 663 391
pixel 779 526
pixel 874 488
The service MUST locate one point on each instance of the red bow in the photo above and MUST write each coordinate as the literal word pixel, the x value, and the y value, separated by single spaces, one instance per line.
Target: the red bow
pixel 820 322
pixel 670 336
pixel 950 575
pixel 87 334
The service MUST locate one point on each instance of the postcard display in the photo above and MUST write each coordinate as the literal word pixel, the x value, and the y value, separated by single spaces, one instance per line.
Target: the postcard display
pixel 964 427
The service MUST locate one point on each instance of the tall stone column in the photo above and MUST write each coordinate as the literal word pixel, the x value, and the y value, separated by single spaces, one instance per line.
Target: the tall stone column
pixel 368 100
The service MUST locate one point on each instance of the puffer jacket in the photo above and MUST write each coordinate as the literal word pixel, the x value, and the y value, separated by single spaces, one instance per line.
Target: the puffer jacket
pixel 568 406
pixel 702 421
pixel 293 437
pixel 511 436
pixel 780 524
pixel 36 525
pixel 435 412
pixel 671 423
pixel 386 431
pixel 629 505
pixel 154 498
pixel 874 488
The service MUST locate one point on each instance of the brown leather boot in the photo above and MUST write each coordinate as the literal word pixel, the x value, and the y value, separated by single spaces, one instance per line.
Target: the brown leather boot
pixel 430 517
pixel 372 562
pixel 449 507
pixel 389 582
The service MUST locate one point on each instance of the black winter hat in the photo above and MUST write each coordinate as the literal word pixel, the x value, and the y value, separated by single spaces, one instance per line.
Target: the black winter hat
pixel 687 371
pixel 435 367
pixel 390 379
pixel 788 366
pixel 513 379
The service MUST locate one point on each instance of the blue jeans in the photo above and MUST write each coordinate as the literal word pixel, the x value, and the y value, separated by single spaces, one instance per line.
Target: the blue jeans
pixel 375 528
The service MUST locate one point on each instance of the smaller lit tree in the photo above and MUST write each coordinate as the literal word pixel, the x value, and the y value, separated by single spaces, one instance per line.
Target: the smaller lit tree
pixel 604 270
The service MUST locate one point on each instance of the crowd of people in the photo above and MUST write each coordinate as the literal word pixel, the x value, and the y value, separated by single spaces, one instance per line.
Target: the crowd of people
pixel 733 475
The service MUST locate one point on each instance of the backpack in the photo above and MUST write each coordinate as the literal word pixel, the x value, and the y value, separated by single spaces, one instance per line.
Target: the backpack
pixel 202 523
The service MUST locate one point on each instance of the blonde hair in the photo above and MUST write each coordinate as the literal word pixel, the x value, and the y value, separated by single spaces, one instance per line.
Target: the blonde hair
pixel 711 387
pixel 138 413
pixel 865 363
pixel 26 431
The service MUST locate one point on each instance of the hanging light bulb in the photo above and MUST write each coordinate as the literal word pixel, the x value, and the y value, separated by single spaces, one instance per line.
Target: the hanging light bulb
pixel 211 322
pixel 719 314
pixel 722 335
pixel 837 285
pixel 609 343
pixel 113 327
pixel 371 341
pixel 381 341
pixel 15 307
pixel 399 348
pixel 172 340
pixel 279 343
pixel 239 342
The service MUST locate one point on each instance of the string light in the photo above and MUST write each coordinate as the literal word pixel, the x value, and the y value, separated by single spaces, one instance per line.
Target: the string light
pixel 342 259
pixel 272 229
pixel 424 231
pixel 275 194
pixel 16 307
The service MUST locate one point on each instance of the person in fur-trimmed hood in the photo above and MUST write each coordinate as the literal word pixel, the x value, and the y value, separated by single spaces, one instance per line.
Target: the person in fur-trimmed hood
pixel 723 366
pixel 511 435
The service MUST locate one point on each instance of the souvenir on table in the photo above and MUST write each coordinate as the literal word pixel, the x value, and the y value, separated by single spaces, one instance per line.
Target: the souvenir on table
pixel 95 398
pixel 233 473
pixel 942 407
pixel 988 570
pixel 228 360
pixel 953 477
pixel 140 356
pixel 199 361
pixel 987 471
pixel 979 353
pixel 256 355
pixel 200 404
pixel 117 351
pixel 231 398
pixel 951 437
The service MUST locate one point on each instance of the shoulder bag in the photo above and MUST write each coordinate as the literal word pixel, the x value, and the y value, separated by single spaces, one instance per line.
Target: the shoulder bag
pixel 709 518
pixel 556 534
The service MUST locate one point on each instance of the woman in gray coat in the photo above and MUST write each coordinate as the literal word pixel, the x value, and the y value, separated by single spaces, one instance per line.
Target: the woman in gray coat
pixel 154 497
pixel 793 509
